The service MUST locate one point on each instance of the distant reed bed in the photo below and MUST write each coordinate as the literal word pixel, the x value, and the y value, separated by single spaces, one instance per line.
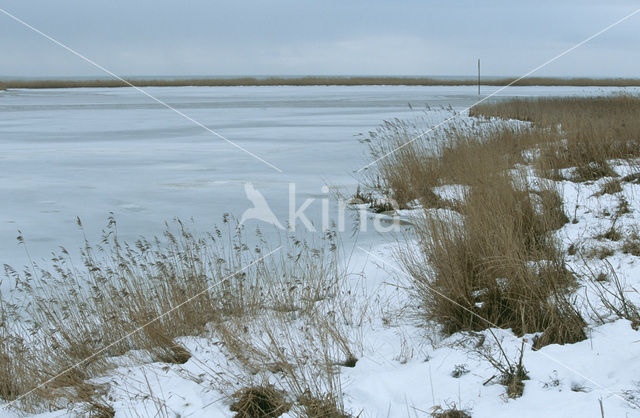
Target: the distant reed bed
pixel 320 81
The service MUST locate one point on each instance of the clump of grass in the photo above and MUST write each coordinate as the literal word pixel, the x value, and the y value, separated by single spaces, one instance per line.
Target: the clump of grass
pixel 552 206
pixel 632 395
pixel 513 379
pixel 165 349
pixel 323 406
pixel 612 186
pixel 599 252
pixel 592 170
pixel 459 370
pixel 602 277
pixel 34 377
pixel 612 234
pixel 579 387
pixel 623 206
pixel 350 362
pixel 404 173
pixel 631 244
pixel 566 325
pixel 593 130
pixel 99 408
pixel 259 402
pixel 450 411
pixel 376 204
pixel 553 381
pixel 499 266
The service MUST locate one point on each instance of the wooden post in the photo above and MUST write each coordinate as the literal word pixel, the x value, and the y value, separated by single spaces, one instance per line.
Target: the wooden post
pixel 478 76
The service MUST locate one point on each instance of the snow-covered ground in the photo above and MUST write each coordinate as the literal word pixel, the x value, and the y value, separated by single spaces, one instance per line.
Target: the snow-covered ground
pixel 68 153
pixel 406 369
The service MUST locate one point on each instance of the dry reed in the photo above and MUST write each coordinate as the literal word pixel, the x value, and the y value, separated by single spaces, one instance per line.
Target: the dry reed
pixel 63 323
pixel 495 257
pixel 322 81
pixel 591 131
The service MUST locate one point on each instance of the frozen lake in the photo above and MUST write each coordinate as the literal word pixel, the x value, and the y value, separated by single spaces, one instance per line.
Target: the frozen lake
pixel 88 152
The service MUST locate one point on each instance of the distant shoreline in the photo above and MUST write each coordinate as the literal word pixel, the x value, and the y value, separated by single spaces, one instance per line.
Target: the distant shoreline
pixel 320 81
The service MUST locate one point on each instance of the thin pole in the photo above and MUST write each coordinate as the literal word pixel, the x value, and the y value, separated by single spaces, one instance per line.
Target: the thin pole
pixel 478 76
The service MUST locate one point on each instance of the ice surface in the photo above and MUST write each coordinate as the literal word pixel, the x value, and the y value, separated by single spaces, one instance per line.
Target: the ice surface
pixel 88 152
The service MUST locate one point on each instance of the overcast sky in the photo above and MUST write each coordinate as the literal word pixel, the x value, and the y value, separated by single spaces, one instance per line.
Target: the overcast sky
pixel 324 37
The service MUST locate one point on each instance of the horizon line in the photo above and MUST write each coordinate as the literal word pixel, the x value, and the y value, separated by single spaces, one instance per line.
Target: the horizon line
pixel 310 80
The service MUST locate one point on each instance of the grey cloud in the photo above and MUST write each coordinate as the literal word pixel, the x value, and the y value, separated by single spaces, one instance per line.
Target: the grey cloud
pixel 200 37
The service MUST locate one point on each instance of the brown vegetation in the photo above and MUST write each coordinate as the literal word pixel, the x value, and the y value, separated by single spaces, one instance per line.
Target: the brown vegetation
pixel 408 168
pixel 320 81
pixel 144 296
pixel 498 266
pixel 259 402
pixel 449 412
pixel 614 296
pixel 492 258
pixel 590 131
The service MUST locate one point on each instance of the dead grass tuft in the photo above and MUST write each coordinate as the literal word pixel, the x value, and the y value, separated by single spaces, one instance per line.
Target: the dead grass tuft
pixel 299 334
pixel 631 244
pixel 566 326
pixel 100 410
pixel 612 234
pixel 499 263
pixel 599 252
pixel 612 186
pixel 591 171
pixel 320 407
pixel 351 361
pixel 259 402
pixel 449 412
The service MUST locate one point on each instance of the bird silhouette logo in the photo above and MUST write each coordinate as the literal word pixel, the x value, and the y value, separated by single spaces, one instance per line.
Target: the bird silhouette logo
pixel 260 210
